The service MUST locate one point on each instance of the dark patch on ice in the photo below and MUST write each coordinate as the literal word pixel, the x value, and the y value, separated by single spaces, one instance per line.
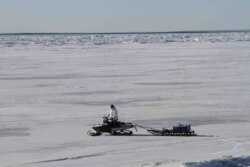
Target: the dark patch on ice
pixel 92 103
pixel 86 156
pixel 62 77
pixel 105 103
pixel 152 164
pixel 90 93
pixel 65 76
pixel 11 74
pixel 224 162
pixel 120 76
pixel 46 85
pixel 169 83
pixel 70 158
pixel 204 136
pixel 7 132
pixel 53 160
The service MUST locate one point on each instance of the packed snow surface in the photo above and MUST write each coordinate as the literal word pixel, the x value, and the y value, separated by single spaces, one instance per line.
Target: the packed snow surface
pixel 55 87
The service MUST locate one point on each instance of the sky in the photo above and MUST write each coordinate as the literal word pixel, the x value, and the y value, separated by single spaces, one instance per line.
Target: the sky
pixel 87 16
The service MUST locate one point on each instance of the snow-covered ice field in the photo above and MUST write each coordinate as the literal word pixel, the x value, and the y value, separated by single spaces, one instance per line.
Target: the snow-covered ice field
pixel 53 88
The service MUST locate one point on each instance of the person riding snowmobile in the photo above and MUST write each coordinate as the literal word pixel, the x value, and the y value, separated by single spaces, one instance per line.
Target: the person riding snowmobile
pixel 113 114
pixel 110 124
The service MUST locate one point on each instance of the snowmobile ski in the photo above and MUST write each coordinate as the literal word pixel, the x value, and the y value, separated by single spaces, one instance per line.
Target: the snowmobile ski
pixel 91 133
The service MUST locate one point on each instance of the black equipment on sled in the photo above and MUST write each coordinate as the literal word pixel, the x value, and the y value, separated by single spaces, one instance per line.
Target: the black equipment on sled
pixel 113 127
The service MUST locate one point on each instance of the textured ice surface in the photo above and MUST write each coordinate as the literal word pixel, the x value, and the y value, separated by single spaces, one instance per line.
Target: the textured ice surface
pixel 51 95
pixel 112 39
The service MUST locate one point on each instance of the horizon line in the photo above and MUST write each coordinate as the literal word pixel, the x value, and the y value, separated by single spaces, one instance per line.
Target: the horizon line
pixel 132 32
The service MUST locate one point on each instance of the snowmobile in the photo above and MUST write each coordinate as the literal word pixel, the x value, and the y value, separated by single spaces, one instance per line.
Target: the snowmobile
pixel 112 127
